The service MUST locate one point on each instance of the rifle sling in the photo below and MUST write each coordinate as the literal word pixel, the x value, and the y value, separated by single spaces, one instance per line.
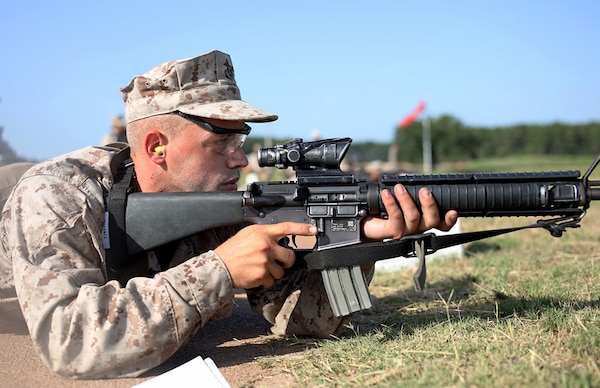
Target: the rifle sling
pixel 417 245
pixel 362 253
pixel 117 254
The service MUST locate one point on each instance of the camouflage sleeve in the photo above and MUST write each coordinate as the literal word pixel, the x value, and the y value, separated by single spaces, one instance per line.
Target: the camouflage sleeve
pixel 83 325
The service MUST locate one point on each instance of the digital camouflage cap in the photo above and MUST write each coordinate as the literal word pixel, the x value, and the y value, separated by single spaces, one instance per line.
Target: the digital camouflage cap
pixel 203 86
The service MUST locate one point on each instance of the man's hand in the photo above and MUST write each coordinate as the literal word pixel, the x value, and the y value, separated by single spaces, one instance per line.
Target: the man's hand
pixel 404 218
pixel 254 257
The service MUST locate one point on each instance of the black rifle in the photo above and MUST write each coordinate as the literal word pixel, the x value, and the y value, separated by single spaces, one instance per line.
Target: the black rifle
pixel 336 202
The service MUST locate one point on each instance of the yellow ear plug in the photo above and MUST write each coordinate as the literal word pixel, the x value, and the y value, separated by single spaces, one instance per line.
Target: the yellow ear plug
pixel 159 150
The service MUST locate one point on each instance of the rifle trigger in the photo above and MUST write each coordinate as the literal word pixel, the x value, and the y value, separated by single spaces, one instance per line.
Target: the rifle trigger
pixel 420 274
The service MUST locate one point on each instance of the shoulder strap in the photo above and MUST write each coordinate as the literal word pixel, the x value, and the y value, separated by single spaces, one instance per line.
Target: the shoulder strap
pixel 123 173
pixel 118 259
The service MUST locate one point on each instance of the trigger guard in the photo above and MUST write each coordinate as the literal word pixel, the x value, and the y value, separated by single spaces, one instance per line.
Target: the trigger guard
pixel 285 242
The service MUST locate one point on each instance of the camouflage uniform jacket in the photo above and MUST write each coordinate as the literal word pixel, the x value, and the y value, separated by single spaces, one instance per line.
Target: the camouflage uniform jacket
pixel 83 324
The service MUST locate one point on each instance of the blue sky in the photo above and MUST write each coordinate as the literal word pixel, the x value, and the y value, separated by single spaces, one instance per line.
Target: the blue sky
pixel 344 68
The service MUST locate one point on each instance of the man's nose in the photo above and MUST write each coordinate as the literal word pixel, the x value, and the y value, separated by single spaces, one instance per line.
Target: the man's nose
pixel 239 158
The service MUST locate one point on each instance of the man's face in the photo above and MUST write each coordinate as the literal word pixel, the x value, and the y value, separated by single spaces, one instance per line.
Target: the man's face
pixel 199 160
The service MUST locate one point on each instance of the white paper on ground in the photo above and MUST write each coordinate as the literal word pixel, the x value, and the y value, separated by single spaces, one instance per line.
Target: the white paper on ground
pixel 197 372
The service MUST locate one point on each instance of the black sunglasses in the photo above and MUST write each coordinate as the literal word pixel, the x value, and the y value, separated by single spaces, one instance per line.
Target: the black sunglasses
pixel 213 128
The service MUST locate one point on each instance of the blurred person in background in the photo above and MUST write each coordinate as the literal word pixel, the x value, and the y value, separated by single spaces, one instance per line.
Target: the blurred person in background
pixel 118 131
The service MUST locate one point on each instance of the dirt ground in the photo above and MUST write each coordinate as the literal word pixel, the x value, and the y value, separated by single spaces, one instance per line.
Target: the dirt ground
pixel 236 344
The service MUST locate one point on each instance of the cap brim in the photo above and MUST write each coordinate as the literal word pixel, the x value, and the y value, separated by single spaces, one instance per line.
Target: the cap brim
pixel 233 110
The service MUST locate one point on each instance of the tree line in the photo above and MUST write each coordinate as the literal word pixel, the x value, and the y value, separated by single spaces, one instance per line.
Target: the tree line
pixel 452 141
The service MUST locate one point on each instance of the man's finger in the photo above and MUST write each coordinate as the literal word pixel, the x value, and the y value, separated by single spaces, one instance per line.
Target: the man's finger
pixel 276 271
pixel 283 229
pixel 412 216
pixel 284 256
pixel 431 214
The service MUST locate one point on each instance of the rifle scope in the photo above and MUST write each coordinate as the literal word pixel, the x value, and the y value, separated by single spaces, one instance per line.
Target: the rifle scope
pixel 315 155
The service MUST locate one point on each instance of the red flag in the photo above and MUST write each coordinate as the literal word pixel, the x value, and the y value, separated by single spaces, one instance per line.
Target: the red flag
pixel 412 116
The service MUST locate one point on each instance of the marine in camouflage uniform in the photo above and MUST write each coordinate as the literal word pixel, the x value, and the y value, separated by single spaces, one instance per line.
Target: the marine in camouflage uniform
pixel 118 131
pixel 53 259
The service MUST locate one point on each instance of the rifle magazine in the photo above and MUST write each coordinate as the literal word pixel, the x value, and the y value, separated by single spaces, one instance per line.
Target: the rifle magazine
pixel 347 290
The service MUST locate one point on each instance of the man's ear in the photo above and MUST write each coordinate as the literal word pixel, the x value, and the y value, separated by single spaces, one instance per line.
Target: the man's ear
pixel 155 145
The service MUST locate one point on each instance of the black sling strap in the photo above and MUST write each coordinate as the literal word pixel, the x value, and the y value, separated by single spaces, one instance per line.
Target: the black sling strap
pixel 116 201
pixel 419 245
pixel 117 255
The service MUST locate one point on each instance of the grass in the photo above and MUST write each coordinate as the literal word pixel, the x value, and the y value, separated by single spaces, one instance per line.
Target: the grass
pixel 523 163
pixel 518 310
pixel 521 309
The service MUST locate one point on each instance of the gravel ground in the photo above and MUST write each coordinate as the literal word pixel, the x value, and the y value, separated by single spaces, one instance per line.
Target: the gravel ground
pixel 236 344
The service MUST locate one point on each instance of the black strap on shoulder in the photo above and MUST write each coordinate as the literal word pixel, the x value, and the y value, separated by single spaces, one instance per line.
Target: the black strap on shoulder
pixel 116 253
